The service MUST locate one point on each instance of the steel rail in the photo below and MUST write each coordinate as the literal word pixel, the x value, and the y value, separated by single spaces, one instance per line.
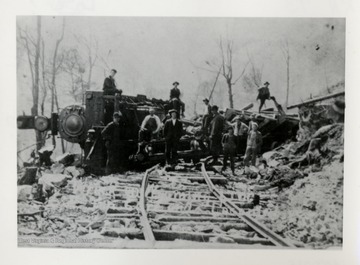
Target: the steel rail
pixel 258 227
pixel 147 231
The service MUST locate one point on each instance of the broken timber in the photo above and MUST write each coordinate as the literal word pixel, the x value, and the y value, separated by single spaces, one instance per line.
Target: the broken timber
pixel 310 101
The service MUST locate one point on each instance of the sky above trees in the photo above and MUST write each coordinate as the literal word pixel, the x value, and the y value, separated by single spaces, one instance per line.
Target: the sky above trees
pixel 151 53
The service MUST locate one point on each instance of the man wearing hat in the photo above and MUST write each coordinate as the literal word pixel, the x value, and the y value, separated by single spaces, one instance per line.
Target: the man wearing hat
pixel 229 142
pixel 240 131
pixel 253 119
pixel 112 135
pixel 264 94
pixel 216 130
pixel 109 86
pixel 110 89
pixel 172 132
pixel 207 115
pixel 253 145
pixel 175 99
pixel 150 126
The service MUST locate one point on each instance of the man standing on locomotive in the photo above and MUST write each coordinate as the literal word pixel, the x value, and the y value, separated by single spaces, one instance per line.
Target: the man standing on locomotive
pixel 109 86
pixel 172 132
pixel 175 99
pixel 113 136
pixel 110 89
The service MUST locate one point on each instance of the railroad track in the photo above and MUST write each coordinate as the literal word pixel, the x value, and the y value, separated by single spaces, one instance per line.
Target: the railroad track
pixel 189 206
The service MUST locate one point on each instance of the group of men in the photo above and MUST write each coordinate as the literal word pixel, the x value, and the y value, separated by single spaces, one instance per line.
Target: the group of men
pixel 213 125
pixel 231 143
pixel 114 131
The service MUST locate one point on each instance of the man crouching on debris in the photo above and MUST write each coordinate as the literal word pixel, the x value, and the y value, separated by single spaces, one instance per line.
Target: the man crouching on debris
pixel 113 134
pixel 229 142
pixel 253 145
pixel 172 133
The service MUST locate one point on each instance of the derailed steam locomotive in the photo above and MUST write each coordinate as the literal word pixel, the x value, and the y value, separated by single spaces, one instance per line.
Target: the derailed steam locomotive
pixel 77 124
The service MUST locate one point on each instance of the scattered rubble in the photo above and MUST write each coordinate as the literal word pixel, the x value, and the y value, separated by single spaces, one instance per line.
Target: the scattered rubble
pixel 296 190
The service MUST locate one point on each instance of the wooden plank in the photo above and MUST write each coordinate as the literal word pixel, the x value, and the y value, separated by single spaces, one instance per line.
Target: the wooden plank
pixel 196 219
pixel 121 216
pixel 205 237
pixel 227 225
pixel 189 214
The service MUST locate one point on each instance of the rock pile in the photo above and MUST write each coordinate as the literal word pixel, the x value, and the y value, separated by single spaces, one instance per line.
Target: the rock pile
pixel 300 185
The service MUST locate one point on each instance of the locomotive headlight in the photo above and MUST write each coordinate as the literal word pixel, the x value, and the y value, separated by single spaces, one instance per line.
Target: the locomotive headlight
pixel 73 125
pixel 41 123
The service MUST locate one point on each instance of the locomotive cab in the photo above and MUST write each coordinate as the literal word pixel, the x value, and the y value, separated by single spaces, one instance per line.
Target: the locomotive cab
pixel 81 125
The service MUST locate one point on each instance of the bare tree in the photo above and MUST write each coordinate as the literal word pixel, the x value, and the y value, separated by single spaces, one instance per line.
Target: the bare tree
pixel 75 68
pixel 56 64
pixel 225 68
pixel 92 46
pixel 255 72
pixel 44 86
pixel 286 53
pixel 33 59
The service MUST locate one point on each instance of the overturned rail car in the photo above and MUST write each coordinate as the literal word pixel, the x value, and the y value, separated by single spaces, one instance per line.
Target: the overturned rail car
pixel 81 125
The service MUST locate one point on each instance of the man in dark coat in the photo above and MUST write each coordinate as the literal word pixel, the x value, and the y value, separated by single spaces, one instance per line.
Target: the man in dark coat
pixel 175 99
pixel 207 116
pixel 172 132
pixel 113 136
pixel 109 86
pixel 229 142
pixel 216 130
pixel 264 94
pixel 110 89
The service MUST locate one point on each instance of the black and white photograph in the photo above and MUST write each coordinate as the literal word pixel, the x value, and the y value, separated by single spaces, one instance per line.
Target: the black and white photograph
pixel 180 132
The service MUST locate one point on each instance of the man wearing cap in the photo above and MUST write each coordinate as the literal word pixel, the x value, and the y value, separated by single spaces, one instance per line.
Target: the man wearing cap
pixel 150 126
pixel 207 115
pixel 264 94
pixel 175 98
pixel 253 145
pixel 110 89
pixel 216 130
pixel 240 131
pixel 109 86
pixel 253 119
pixel 229 142
pixel 112 135
pixel 172 132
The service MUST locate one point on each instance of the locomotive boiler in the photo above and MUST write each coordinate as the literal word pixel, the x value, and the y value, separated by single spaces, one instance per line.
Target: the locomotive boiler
pixel 83 125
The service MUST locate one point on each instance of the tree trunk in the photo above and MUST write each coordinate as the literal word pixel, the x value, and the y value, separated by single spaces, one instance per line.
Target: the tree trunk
pixel 34 109
pixel 54 97
pixel 43 79
pixel 287 81
pixel 90 73
pixel 231 100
